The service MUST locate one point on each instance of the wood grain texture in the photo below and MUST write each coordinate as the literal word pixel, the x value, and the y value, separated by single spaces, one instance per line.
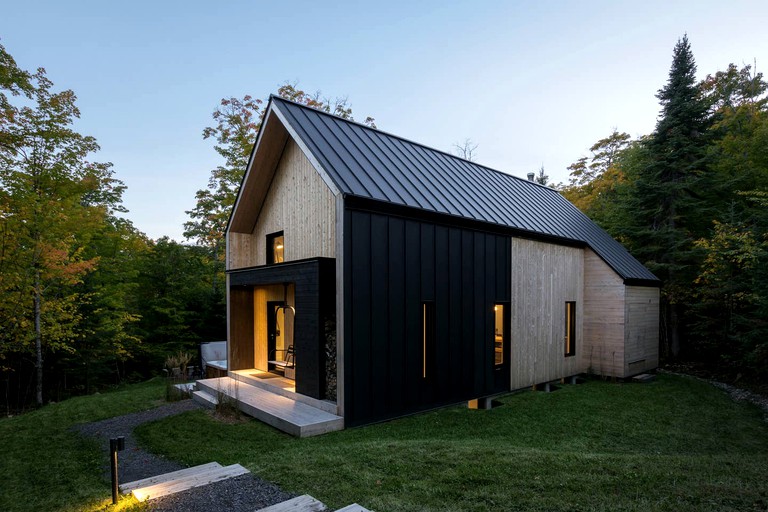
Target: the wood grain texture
pixel 262 295
pixel 603 351
pixel 641 332
pixel 300 204
pixel 544 276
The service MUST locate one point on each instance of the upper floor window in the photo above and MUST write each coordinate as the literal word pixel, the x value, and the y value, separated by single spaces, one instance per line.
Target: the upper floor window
pixel 275 248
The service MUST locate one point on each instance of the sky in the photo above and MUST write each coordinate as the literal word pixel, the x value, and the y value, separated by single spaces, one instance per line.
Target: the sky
pixel 532 83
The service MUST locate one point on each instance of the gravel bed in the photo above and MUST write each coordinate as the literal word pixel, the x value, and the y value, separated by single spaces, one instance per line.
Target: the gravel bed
pixel 239 494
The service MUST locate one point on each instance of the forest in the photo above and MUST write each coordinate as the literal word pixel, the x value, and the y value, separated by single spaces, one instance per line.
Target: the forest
pixel 88 301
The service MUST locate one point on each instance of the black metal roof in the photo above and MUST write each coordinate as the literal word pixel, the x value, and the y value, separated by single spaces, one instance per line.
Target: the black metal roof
pixel 368 163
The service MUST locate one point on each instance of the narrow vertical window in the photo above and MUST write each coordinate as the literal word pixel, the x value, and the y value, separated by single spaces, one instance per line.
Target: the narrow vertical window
pixel 427 336
pixel 275 248
pixel 570 328
pixel 499 334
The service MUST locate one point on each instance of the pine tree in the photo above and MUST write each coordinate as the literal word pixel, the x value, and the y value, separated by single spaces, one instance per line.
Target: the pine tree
pixel 668 196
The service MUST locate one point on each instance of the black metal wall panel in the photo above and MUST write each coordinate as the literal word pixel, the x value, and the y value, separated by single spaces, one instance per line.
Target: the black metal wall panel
pixel 392 267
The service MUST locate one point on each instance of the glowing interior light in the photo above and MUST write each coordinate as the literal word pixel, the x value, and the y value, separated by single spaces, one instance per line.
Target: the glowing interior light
pixel 279 246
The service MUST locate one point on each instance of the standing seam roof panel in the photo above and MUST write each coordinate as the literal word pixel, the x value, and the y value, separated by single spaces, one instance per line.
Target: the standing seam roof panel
pixel 365 162
pixel 479 204
pixel 399 173
pixel 333 154
pixel 397 191
pixel 459 208
pixel 374 187
pixel 429 185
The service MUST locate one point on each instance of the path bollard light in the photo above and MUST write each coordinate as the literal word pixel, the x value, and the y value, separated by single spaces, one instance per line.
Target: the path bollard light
pixel 116 444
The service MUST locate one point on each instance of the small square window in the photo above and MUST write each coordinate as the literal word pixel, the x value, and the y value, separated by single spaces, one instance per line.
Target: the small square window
pixel 275 248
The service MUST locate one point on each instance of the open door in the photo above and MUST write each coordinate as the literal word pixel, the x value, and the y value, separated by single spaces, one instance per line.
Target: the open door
pixel 275 333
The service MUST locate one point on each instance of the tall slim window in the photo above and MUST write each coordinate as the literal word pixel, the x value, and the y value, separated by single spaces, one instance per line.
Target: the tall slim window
pixel 427 337
pixel 499 334
pixel 275 248
pixel 570 328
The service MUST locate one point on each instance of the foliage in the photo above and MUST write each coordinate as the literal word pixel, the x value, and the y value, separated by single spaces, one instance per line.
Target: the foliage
pixel 566 450
pixel 53 199
pixel 45 465
pixel 689 202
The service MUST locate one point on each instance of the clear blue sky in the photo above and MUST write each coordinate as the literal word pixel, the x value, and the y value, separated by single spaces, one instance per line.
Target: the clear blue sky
pixel 532 83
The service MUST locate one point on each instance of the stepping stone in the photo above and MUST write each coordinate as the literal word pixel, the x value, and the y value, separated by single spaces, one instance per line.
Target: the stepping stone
pixel 165 477
pixel 644 377
pixel 198 478
pixel 353 508
pixel 304 503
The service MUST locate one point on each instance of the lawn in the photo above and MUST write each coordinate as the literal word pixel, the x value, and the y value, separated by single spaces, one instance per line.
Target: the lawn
pixel 45 466
pixel 675 444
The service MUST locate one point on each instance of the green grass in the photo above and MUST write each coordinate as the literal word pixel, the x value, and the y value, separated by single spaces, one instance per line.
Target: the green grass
pixel 676 444
pixel 45 466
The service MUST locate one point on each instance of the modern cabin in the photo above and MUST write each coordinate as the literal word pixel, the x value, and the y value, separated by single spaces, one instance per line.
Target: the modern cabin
pixel 381 278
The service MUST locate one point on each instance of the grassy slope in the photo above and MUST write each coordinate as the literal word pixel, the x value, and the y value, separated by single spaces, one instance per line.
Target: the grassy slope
pixel 676 444
pixel 45 466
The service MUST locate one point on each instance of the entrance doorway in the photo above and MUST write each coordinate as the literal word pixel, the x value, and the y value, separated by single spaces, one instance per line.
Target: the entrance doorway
pixel 275 333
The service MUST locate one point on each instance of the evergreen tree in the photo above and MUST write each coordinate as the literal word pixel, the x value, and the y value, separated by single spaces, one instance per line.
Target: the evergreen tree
pixel 668 196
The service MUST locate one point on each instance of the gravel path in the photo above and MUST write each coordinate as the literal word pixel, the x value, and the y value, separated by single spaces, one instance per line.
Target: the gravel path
pixel 243 493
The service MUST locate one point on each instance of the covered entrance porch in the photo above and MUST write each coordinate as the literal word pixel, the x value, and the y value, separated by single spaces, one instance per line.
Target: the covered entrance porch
pixel 278 317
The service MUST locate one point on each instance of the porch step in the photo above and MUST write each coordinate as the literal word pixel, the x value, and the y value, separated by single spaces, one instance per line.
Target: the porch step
pixel 205 399
pixel 290 416
pixel 245 376
pixel 304 503
pixel 198 478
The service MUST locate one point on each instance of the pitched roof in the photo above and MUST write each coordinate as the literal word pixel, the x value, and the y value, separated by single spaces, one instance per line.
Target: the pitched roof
pixel 368 163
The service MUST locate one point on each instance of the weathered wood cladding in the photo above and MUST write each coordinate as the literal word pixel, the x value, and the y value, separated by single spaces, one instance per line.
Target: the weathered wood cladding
pixel 543 277
pixel 314 289
pixel 392 266
pixel 604 312
pixel 300 204
pixel 641 332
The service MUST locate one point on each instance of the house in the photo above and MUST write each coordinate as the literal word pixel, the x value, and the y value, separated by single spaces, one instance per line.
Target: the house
pixel 403 278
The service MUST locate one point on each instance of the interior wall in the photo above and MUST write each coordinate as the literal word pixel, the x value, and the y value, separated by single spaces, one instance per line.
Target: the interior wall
pixel 544 276
pixel 262 295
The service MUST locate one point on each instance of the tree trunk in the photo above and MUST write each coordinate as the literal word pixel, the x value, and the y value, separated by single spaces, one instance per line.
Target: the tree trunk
pixel 38 341
pixel 674 331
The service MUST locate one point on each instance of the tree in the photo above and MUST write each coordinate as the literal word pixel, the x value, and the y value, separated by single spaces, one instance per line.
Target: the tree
pixel 542 178
pixel 53 198
pixel 237 123
pixel 465 150
pixel 593 180
pixel 668 200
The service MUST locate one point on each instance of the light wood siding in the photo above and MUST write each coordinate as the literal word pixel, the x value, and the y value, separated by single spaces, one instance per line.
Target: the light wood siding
pixel 603 350
pixel 300 204
pixel 641 334
pixel 544 276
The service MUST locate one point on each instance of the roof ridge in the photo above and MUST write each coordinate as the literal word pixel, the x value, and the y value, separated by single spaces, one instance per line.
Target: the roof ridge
pixel 409 141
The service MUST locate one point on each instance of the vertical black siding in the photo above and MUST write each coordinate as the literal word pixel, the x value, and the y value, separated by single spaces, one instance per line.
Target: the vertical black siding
pixel 394 265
